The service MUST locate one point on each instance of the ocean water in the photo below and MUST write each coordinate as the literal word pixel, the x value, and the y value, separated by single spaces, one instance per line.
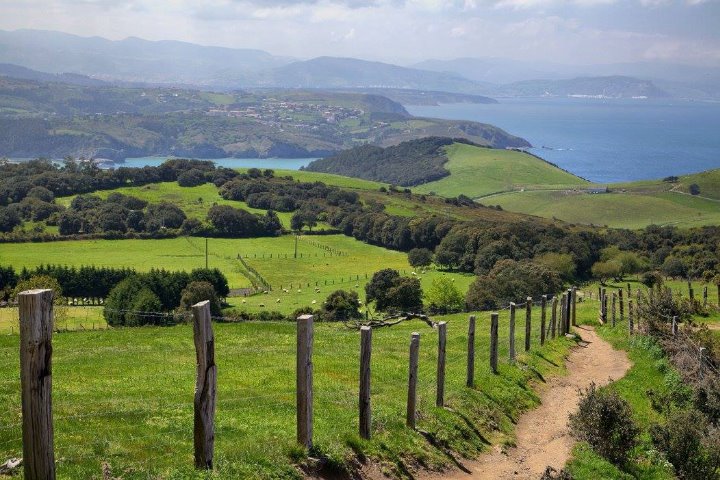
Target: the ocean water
pixel 606 140
pixel 279 163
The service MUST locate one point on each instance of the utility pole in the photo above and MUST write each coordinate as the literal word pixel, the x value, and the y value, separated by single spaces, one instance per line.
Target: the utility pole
pixel 206 253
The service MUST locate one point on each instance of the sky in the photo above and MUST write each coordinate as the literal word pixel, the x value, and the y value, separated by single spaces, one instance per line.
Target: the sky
pixel 402 31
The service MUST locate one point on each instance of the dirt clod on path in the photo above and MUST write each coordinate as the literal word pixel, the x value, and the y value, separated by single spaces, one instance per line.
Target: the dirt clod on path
pixel 542 436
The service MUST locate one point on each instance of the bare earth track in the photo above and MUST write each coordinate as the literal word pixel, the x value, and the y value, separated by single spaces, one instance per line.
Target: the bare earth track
pixel 542 434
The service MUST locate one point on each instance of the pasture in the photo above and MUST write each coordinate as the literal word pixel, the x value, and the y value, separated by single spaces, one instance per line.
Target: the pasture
pixel 123 397
pixel 615 210
pixel 476 172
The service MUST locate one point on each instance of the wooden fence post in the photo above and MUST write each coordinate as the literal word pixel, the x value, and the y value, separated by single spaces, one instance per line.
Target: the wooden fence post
pixel 674 328
pixel 637 308
pixel 365 354
pixel 568 314
pixel 603 307
pixel 442 342
pixel 543 317
pixel 563 313
pixel 512 332
pixel 553 316
pixel 622 304
pixel 304 380
pixel 471 353
pixel 528 322
pixel 494 342
pixel 703 353
pixel 691 291
pixel 574 306
pixel 614 309
pixel 36 322
pixel 205 386
pixel 631 327
pixel 412 380
pixel 705 296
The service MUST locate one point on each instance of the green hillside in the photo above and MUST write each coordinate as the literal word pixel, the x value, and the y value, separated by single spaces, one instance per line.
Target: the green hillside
pixel 476 171
pixel 618 210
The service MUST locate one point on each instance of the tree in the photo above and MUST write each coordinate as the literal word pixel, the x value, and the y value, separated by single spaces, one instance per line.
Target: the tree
pixel 405 294
pixel 9 219
pixel 41 193
pixel 562 263
pixel 143 309
pixel 118 300
pixel 198 292
pixel 214 277
pixel 694 189
pixel 341 305
pixel 444 297
pixel 234 222
pixel 607 270
pixel 674 267
pixel 420 257
pixel 70 223
pixel 164 215
pixel 191 178
pixel 377 289
pixel 511 281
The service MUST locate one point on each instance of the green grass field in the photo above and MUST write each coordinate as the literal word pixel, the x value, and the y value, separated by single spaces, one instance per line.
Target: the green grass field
pixel 477 172
pixel 124 397
pixel 617 210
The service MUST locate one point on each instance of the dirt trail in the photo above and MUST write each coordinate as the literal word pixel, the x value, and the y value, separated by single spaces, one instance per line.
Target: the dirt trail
pixel 542 435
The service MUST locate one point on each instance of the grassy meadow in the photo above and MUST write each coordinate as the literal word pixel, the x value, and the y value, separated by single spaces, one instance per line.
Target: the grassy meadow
pixel 124 397
pixel 477 172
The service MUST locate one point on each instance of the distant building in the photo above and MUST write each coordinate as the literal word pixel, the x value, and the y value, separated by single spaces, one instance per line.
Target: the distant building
pixel 597 190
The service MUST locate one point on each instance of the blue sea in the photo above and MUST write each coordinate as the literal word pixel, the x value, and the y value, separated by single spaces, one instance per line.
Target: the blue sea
pixel 278 163
pixel 606 140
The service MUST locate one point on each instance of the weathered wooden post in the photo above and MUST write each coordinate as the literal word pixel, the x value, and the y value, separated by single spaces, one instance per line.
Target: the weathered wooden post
pixel 36 322
pixel 365 355
pixel 614 309
pixel 205 386
pixel 705 296
pixel 543 308
pixel 494 342
pixel 629 290
pixel 622 304
pixel 703 354
pixel 573 292
pixel 304 380
pixel 638 295
pixel 528 322
pixel 568 314
pixel 691 292
pixel 631 327
pixel 674 327
pixel 412 380
pixel 563 312
pixel 553 316
pixel 512 332
pixel 603 307
pixel 470 381
pixel 442 342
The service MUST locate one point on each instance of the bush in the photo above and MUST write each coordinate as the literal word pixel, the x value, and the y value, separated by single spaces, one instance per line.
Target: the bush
pixel 41 281
pixel 341 305
pixel 444 297
pixel 198 292
pixel 694 189
pixel 391 291
pixel 118 300
pixel 191 178
pixel 690 444
pixel 604 420
pixel 420 257
pixel 147 302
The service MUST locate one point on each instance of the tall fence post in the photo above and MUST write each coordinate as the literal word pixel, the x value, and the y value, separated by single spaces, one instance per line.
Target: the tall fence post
pixel 543 317
pixel 512 332
pixel 622 304
pixel 553 317
pixel 205 386
pixel 304 380
pixel 412 380
pixel 471 353
pixel 573 292
pixel 631 327
pixel 614 309
pixel 365 355
pixel 442 342
pixel 691 291
pixel 568 314
pixel 36 322
pixel 703 354
pixel 674 328
pixel 528 322
pixel 494 342
pixel 603 307
pixel 637 308
pixel 705 296
pixel 563 315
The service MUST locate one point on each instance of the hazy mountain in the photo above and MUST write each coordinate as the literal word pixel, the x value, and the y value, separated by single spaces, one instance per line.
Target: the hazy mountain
pixel 333 72
pixel 132 59
pixel 16 71
pixel 496 70
pixel 607 87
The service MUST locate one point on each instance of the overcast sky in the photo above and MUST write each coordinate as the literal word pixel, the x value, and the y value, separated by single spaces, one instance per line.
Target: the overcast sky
pixel 402 31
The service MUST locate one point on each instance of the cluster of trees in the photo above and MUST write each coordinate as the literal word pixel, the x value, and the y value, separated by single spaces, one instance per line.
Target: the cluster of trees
pixel 150 298
pixel 410 163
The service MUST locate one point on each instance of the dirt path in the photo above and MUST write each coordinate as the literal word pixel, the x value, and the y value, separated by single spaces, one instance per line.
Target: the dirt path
pixel 542 434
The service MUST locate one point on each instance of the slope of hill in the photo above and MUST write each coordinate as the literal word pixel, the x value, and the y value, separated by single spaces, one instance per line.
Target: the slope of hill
pixel 606 87
pixel 476 172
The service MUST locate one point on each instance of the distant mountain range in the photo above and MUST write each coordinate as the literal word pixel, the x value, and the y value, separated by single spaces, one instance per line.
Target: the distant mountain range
pixel 56 56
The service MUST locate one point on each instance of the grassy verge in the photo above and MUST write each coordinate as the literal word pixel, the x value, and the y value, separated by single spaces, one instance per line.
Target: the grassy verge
pixel 124 397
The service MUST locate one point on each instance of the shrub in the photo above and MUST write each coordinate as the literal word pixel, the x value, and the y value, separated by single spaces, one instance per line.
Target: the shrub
pixel 200 291
pixel 391 291
pixel 694 189
pixel 604 420
pixel 118 300
pixel 690 444
pixel 341 305
pixel 420 257
pixel 652 278
pixel 444 297
pixel 145 303
pixel 191 178
pixel 41 281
